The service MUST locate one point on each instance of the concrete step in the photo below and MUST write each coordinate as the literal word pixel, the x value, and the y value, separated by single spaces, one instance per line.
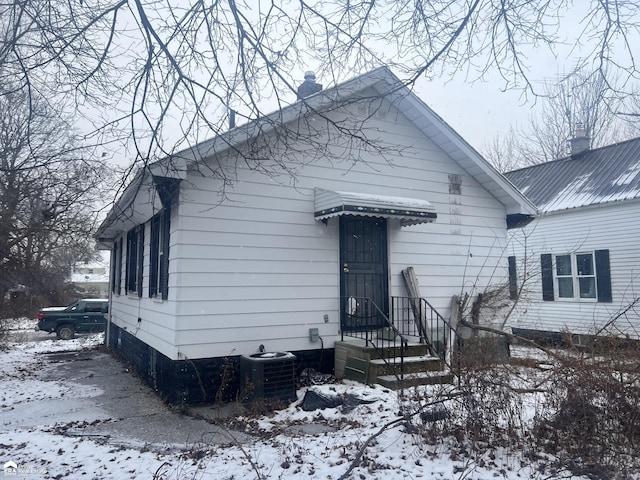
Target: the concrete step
pixel 356 361
pixel 359 348
pixel 411 350
pixel 357 369
pixel 412 364
pixel 412 379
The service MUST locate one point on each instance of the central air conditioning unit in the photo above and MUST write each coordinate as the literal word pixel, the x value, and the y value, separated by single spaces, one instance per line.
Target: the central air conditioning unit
pixel 269 375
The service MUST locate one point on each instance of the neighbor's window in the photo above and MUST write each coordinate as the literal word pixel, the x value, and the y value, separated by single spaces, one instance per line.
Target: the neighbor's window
pixel 586 275
pixel 575 276
pixel 564 276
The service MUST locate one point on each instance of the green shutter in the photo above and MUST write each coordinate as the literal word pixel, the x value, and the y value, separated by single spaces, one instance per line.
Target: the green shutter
pixel 546 264
pixel 114 264
pixel 153 255
pixel 164 265
pixel 603 276
pixel 119 285
pixel 140 260
pixel 513 278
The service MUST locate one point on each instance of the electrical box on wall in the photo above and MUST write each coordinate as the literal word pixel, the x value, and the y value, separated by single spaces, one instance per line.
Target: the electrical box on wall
pixel 313 335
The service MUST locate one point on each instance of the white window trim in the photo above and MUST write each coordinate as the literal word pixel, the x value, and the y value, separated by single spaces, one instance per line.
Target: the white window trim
pixel 575 277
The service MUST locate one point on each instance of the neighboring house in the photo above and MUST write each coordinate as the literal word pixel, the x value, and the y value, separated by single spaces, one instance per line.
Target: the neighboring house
pixel 91 279
pixel 581 255
pixel 204 272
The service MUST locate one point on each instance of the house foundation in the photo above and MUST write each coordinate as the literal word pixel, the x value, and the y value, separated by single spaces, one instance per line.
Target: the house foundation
pixel 202 380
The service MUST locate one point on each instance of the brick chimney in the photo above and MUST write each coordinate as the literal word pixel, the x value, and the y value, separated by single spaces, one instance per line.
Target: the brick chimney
pixel 581 141
pixel 309 86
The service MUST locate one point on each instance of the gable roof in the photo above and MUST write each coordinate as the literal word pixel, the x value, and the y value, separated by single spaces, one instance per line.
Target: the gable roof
pixel 385 85
pixel 594 177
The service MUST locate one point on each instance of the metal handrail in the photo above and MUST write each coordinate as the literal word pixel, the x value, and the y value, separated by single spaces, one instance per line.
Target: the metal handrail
pixel 408 317
pixel 366 315
pixel 431 327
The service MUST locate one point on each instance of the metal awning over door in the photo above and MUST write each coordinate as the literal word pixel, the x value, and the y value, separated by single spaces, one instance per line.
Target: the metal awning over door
pixel 410 211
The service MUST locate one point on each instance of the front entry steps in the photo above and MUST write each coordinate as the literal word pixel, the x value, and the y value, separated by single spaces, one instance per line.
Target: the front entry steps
pixel 356 361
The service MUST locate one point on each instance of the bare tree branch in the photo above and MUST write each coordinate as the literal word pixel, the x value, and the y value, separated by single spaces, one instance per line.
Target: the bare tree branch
pixel 48 186
pixel 164 75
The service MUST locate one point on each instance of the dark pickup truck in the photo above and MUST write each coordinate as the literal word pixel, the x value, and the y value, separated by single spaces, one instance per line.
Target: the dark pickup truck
pixel 83 316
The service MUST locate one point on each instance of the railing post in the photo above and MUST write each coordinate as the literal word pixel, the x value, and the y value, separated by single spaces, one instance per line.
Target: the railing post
pixel 402 350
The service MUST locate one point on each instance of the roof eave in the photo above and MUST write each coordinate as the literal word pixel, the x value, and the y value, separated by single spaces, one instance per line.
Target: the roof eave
pixel 380 79
pixel 139 201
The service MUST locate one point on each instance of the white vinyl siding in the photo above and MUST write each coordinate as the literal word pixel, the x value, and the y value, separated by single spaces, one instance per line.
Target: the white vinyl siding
pixel 254 268
pixel 611 227
pixel 157 326
pixel 259 270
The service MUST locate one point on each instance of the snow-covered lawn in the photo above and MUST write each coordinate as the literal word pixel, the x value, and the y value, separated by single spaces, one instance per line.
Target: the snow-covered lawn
pixel 290 443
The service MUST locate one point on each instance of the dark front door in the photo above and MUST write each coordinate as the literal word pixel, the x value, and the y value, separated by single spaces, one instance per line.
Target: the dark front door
pixel 363 277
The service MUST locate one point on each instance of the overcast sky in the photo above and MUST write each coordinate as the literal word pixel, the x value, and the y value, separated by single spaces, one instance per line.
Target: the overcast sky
pixel 482 109
pixel 478 109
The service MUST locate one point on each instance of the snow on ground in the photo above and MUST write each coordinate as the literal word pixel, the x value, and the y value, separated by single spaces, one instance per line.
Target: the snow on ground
pixel 290 443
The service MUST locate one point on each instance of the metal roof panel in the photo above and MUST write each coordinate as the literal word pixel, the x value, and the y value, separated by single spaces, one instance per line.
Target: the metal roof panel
pixel 593 177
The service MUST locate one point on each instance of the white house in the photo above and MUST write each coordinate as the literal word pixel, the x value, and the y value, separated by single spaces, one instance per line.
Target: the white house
pixel 364 181
pixel 581 255
pixel 91 279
